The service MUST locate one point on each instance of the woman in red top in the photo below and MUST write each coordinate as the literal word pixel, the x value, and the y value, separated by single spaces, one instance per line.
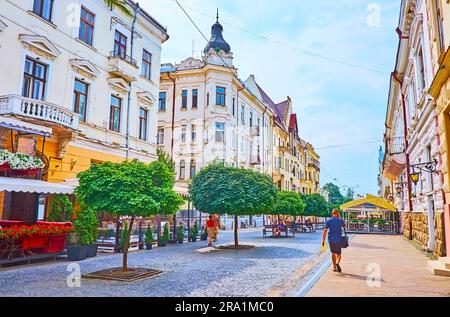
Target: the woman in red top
pixel 210 225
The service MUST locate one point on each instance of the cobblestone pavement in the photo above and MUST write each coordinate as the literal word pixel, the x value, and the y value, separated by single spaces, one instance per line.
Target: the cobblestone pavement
pixel 401 266
pixel 186 272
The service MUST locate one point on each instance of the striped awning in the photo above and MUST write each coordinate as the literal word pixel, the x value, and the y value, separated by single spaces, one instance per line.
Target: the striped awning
pixel 21 185
pixel 22 126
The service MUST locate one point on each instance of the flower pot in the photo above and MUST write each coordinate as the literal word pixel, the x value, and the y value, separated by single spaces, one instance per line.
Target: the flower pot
pixel 92 250
pixel 35 242
pixel 180 240
pixel 77 253
pixel 162 243
pixel 149 246
pixel 56 243
pixel 194 239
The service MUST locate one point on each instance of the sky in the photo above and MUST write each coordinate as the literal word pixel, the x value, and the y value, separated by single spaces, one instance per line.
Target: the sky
pixel 332 57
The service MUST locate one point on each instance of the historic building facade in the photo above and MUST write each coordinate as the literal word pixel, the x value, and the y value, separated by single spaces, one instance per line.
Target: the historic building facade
pixel 86 76
pixel 413 163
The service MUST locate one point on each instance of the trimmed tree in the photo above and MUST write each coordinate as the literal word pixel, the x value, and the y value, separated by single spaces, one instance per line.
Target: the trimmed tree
pixel 316 206
pixel 218 189
pixel 289 203
pixel 132 189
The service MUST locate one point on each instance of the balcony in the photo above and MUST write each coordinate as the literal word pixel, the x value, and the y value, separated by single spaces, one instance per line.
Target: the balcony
pixel 255 160
pixel 38 110
pixel 123 66
pixel 395 145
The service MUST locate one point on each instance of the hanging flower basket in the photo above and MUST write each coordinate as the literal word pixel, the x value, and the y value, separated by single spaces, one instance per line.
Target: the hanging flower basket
pixel 28 172
pixel 5 167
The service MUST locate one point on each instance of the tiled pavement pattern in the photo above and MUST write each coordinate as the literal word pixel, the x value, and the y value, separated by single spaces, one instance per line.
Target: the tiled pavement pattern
pixel 186 271
pixel 403 271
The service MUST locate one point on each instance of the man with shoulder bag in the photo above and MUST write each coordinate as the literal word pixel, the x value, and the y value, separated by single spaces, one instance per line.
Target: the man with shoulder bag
pixel 334 228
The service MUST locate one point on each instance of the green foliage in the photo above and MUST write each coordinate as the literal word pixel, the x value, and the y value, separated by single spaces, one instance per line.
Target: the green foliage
pixel 61 209
pixel 124 236
pixel 164 158
pixel 119 4
pixel 166 233
pixel 149 235
pixel 218 189
pixel 194 231
pixel 180 232
pixel 86 226
pixel 129 189
pixel 336 198
pixel 289 203
pixel 316 206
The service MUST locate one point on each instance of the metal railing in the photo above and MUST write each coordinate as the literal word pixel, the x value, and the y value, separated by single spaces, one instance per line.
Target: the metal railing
pixel 123 56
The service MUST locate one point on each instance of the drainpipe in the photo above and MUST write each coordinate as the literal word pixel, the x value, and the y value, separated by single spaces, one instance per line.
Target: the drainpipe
pixel 408 164
pixel 137 9
pixel 238 109
pixel 173 115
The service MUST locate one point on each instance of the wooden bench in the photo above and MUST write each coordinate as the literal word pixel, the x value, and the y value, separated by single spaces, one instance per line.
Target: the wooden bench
pixel 271 227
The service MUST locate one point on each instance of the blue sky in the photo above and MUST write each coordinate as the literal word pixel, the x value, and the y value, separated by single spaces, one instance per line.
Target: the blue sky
pixel 336 104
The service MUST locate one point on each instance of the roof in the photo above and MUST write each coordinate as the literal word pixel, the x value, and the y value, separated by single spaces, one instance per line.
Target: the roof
pixel 370 202
pixel 283 107
pixel 151 19
pixel 217 42
pixel 9 184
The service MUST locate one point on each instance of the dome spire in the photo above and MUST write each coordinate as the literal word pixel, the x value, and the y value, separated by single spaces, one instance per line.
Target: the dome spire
pixel 217 42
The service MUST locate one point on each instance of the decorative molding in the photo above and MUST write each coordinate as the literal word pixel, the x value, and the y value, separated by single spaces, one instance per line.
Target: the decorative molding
pixel 119 84
pixel 63 141
pixel 146 98
pixel 85 68
pixel 40 45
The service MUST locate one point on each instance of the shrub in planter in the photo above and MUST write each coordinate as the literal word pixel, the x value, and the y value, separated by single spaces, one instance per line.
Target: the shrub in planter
pixel 180 233
pixel 149 238
pixel 204 236
pixel 162 242
pixel 86 228
pixel 194 232
pixel 61 210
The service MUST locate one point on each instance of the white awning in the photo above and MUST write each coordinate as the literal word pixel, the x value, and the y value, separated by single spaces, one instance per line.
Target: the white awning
pixel 33 186
pixel 19 125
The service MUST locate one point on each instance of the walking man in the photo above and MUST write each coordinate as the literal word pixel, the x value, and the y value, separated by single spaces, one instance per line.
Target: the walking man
pixel 334 229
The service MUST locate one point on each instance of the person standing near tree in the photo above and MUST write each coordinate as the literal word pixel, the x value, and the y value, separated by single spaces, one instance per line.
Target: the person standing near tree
pixel 210 226
pixel 334 229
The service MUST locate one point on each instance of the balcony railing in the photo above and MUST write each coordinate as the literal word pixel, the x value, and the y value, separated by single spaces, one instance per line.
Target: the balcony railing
pixel 39 110
pixel 124 57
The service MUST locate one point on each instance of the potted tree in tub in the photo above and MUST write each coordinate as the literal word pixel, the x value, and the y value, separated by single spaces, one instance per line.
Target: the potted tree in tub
pixel 149 238
pixel 194 232
pixel 86 229
pixel 162 242
pixel 180 233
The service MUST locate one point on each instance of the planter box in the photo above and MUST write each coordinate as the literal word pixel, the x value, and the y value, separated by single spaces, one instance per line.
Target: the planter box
pixel 35 242
pixel 162 243
pixel 77 253
pixel 56 243
pixel 29 172
pixel 5 167
pixel 92 250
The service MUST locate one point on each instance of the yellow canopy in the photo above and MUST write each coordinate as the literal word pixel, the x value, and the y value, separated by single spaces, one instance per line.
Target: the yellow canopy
pixel 371 200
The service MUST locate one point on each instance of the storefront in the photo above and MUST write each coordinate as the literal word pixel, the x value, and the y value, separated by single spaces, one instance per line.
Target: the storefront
pixel 371 215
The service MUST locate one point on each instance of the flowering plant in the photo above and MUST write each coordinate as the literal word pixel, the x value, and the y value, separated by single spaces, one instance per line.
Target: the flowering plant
pixel 17 232
pixel 20 161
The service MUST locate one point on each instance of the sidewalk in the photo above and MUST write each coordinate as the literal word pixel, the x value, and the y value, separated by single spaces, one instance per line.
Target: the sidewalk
pixel 403 271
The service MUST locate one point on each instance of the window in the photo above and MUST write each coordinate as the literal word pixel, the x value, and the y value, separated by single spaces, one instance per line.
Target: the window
pixel 193 169
pixel 143 121
pixel 183 134
pixel 234 107
pixel 43 8
pixel 120 45
pixel 440 26
pixel 421 71
pixel 160 136
pixel 80 97
pixel 86 33
pixel 207 99
pixel 147 65
pixel 182 169
pixel 193 133
pixel 220 132
pixel 162 101
pixel 220 96
pixel 195 98
pixel 35 79
pixel 243 115
pixel 114 114
pixel 251 119
pixel 184 99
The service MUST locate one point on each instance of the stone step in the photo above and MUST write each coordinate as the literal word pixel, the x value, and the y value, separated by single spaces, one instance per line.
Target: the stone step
pixel 438 268
pixel 446 262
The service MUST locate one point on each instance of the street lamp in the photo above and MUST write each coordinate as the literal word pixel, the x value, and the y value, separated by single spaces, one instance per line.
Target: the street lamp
pixel 429 167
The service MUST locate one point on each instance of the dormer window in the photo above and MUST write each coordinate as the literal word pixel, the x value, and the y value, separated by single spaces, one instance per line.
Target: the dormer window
pixel 44 9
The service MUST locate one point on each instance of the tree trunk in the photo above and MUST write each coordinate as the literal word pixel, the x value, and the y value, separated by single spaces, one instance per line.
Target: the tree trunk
pixel 117 236
pixel 236 241
pixel 127 246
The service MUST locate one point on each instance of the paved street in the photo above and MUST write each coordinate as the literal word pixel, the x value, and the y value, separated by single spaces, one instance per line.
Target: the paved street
pixel 402 266
pixel 187 272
